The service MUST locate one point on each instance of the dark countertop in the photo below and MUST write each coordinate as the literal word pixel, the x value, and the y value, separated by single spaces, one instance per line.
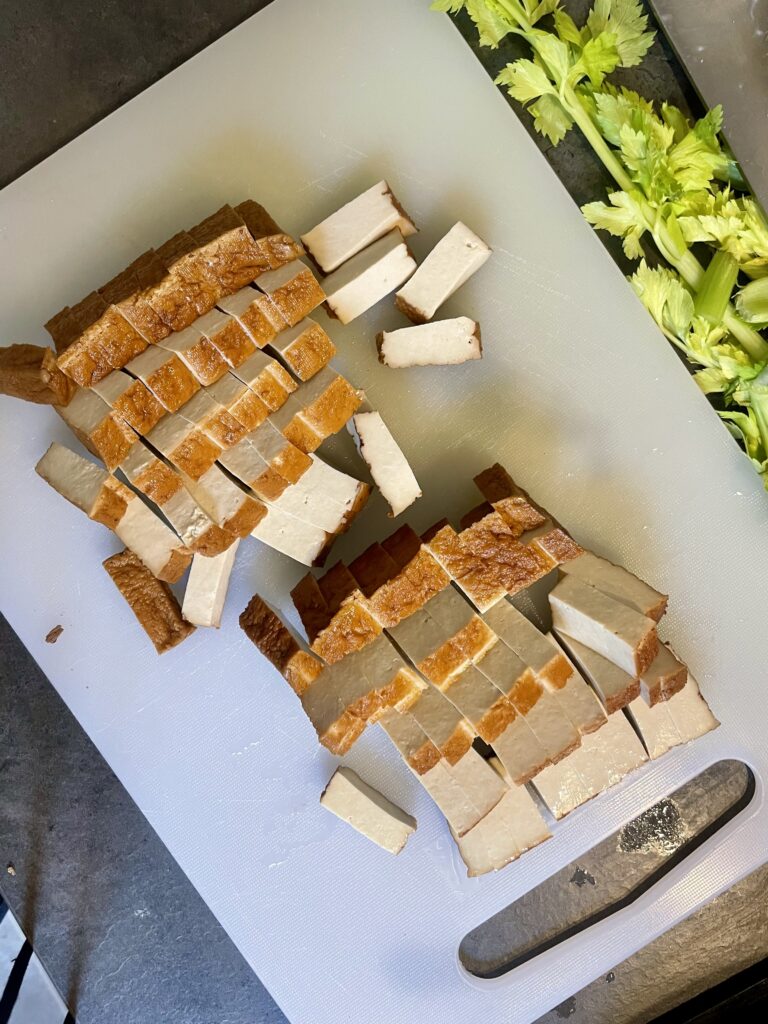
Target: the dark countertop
pixel 122 931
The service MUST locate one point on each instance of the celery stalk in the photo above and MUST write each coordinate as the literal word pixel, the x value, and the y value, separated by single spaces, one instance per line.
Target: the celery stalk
pixel 752 302
pixel 714 293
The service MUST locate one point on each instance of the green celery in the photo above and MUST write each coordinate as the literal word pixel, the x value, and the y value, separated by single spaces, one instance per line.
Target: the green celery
pixel 752 301
pixel 716 286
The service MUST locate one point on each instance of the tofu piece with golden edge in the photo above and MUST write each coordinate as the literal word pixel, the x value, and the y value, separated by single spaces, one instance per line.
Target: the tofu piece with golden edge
pixel 318 408
pixel 308 500
pixel 368 277
pixel 62 329
pixel 293 290
pixel 231 507
pixel 604 758
pixel 198 354
pixel 239 401
pixel 255 313
pixel 443 723
pixel 619 633
pixel 212 419
pixel 367 810
pixel 454 614
pixel 442 343
pixel 103 341
pixel 351 628
pixel 109 502
pixel 102 432
pixel 536 650
pixel 228 248
pixel 230 339
pixel 293 537
pixel 304 348
pixel 579 702
pixel 245 463
pixel 389 468
pixel 411 742
pixel 618 583
pixel 615 688
pixel 429 647
pixel 663 678
pixel 30 372
pixel 185 447
pixel 372 569
pixel 188 288
pixel 510 828
pixel 455 258
pixel 126 292
pixel 309 602
pixel 152 602
pixel 207 587
pixel 355 226
pixel 275 246
pixel 278 645
pixel 131 400
pixel 278 452
pixel 416 583
pixel 266 379
pixel 165 375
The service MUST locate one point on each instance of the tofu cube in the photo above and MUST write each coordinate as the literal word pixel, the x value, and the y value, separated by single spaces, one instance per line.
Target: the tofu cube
pixel 367 277
pixel 367 811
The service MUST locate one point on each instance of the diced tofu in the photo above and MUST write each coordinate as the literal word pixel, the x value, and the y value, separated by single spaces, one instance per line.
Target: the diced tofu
pixel 655 726
pixel 479 781
pixel 207 587
pixel 403 545
pixel 337 487
pixel 187 287
pixel 367 277
pixel 126 292
pixel 319 408
pixel 355 226
pixel 484 706
pixel 293 537
pixel 152 602
pixel 579 702
pixel 372 569
pixel 690 712
pixel 82 483
pixel 535 649
pixel 267 379
pixel 228 505
pixel 228 248
pixel 455 258
pixel 618 632
pixel 442 343
pixel 416 583
pixel 274 245
pixel 141 530
pixel 367 811
pixel 663 678
pixel 414 746
pixel 305 348
pixel 245 463
pixel 131 400
pixel 183 445
pixel 102 340
pixel 30 372
pixel 613 685
pixel 254 312
pixel 212 419
pixel 510 828
pixel 165 375
pixel 450 797
pixel 351 628
pixel 460 621
pixel 293 289
pixel 521 751
pixel 279 645
pixel 309 500
pixel 443 723
pixel 102 432
pixel 227 335
pixel 389 467
pixel 278 452
pixel 618 583
pixel 309 602
pixel 428 647
pixel 239 401
pixel 200 357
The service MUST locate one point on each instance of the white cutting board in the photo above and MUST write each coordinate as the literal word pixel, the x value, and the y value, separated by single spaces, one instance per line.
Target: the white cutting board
pixel 301 107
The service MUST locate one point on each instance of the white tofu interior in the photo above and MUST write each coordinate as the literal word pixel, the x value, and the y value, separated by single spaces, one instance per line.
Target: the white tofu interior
pixel 238 303
pixel 356 225
pixel 338 487
pixel 221 497
pixel 271 280
pixel 615 581
pixel 186 516
pixel 85 412
pixel 180 342
pixel 437 716
pixel 244 461
pixel 293 537
pixel 75 478
pixel 113 386
pixel 207 587
pixel 651 681
pixel 227 391
pixel 370 275
pixel 613 685
pixel 441 343
pixel 367 810
pixel 147 536
pixel 600 622
pixel 655 726
pixel 418 635
pixel 511 827
pixel 306 502
pixel 579 702
pixel 455 258
pixel 389 467
pixel 520 751
pixel 690 712
pixel 482 785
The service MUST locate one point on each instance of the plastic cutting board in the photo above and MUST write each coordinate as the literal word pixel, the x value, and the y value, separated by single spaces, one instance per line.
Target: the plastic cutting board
pixel 301 107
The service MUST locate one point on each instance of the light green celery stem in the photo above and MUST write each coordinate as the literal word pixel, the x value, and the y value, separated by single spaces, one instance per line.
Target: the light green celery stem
pixel 759 404
pixel 752 301
pixel 716 287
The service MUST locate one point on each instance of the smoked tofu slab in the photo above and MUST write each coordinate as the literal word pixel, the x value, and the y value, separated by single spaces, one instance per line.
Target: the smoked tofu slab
pixel 293 537
pixel 125 291
pixel 442 343
pixel 366 278
pixel 455 258
pixel 619 633
pixel 317 409
pixel 102 341
pixel 228 248
pixel 278 645
pixel 615 688
pixel 131 400
pixel 240 402
pixel 102 432
pixel 207 586
pixel 293 291
pixel 367 811
pixel 618 583
pixel 663 678
pixel 389 467
pixel 266 379
pixel 208 416
pixel 510 828
pixel 227 335
pixel 254 312
pixel 152 602
pixel 30 372
pixel 275 246
pixel 109 502
pixel 165 375
pixel 199 355
pixel 230 506
pixel 355 226
pixel 244 462
pixel 304 348
pixel 183 445
pixel 443 723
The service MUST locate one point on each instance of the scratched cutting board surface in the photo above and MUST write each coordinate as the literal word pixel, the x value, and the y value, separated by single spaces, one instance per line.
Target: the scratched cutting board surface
pixel 301 107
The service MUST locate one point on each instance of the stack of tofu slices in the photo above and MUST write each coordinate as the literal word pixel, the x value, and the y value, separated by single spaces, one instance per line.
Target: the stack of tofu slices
pixel 198 376
pixel 419 634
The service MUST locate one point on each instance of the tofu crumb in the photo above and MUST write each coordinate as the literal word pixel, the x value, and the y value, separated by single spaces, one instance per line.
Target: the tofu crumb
pixel 53 635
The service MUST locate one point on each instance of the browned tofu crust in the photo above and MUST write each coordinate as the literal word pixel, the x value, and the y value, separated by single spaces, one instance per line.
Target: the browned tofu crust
pixel 336 586
pixel 298 297
pixel 228 248
pixel 259 320
pixel 62 329
pixel 519 514
pixel 310 352
pixel 275 246
pixel 275 641
pixel 475 514
pixel 310 604
pixel 495 483
pixel 233 343
pixel 173 383
pixel 152 602
pixel 372 569
pixel 402 545
pixel 351 628
pixel 139 407
pixel 126 292
pixel 331 410
pixel 195 454
pixel 30 372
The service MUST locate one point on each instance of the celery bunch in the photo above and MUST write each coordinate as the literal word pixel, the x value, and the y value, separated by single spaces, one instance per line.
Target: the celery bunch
pixel 676 185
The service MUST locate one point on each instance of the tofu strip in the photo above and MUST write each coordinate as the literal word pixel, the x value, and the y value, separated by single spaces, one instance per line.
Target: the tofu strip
pixel 510 828
pixel 101 431
pixel 442 343
pixel 367 810
pixel 152 602
pixel 618 583
pixel 207 587
pixel 389 467
pixel 367 277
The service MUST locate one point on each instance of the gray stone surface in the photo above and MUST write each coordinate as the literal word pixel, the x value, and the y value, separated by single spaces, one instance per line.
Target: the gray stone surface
pixel 122 931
